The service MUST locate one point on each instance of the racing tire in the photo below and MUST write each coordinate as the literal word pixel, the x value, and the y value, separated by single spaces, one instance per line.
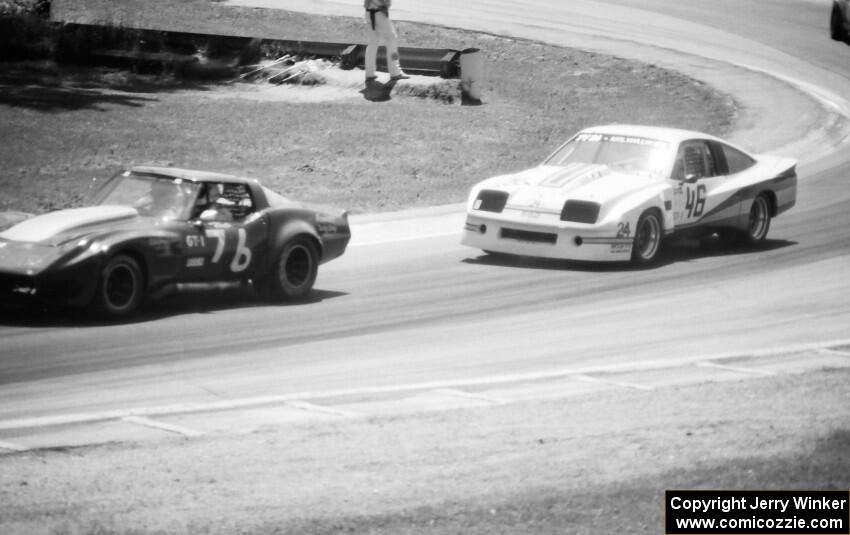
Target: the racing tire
pixel 759 221
pixel 120 288
pixel 836 25
pixel 294 271
pixel 648 234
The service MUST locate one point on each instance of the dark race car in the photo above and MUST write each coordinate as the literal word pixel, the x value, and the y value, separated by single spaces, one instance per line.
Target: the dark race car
pixel 152 230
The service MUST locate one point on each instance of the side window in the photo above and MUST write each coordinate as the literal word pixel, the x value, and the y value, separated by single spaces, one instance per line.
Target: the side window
pixel 694 161
pixel 237 199
pixel 736 160
pixel 224 202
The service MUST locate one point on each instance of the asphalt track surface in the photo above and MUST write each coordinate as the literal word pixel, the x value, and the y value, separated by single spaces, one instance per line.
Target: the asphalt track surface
pixel 407 305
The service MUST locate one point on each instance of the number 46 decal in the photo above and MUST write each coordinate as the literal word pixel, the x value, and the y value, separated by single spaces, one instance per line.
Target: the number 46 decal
pixel 242 258
pixel 695 202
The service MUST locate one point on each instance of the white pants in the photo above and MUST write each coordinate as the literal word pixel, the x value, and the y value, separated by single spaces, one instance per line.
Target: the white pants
pixel 384 30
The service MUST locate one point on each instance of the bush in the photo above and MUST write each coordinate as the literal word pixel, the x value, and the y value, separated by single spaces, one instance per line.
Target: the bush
pixel 17 8
pixel 25 30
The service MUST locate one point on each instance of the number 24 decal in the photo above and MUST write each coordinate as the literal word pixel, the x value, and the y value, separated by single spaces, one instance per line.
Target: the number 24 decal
pixel 242 258
pixel 695 202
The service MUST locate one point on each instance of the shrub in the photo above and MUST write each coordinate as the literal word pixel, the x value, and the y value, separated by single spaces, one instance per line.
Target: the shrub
pixel 25 29
pixel 17 8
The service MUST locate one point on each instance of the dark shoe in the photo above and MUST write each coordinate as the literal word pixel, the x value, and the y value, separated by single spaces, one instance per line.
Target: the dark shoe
pixel 371 79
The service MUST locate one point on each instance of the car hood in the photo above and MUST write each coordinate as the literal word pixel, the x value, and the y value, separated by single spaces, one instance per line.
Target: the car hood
pixel 547 187
pixel 57 227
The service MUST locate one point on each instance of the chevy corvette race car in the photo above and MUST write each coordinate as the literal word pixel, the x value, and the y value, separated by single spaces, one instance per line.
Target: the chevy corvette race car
pixel 151 230
pixel 612 193
pixel 839 20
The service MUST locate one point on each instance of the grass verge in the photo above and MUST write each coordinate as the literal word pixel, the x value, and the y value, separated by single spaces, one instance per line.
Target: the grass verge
pixel 62 126
pixel 580 465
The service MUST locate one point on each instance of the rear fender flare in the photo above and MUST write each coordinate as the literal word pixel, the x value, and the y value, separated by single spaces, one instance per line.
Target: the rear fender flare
pixel 289 231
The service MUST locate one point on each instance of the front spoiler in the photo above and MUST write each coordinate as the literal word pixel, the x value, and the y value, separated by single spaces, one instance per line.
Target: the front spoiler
pixel 34 272
pixel 565 243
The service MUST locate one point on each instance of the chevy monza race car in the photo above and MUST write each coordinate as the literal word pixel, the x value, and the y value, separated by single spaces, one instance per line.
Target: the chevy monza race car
pixel 612 193
pixel 151 230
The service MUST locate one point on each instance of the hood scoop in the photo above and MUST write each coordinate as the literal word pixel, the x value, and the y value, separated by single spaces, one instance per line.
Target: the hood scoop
pixel 43 227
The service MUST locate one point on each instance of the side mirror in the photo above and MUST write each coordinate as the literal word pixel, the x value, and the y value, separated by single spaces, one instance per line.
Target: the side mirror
pixel 690 179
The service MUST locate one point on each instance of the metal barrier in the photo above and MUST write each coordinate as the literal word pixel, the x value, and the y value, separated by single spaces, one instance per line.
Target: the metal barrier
pixel 151 49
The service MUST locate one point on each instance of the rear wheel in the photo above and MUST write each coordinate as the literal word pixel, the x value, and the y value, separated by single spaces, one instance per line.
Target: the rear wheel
pixel 120 288
pixel 648 234
pixel 759 221
pixel 294 272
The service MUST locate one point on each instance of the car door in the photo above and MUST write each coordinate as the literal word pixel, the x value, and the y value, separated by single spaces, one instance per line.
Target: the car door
pixel 229 237
pixel 696 178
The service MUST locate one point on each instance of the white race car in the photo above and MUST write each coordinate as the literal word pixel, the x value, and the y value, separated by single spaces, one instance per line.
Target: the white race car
pixel 612 193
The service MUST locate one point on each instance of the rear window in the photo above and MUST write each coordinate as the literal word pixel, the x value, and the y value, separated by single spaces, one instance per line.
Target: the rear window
pixel 736 160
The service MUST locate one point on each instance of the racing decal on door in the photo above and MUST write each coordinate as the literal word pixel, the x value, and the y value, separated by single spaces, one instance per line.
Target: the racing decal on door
pixel 242 257
pixel 695 203
pixel 689 203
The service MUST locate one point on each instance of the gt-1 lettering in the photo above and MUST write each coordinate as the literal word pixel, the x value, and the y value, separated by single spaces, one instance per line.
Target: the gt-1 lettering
pixel 195 241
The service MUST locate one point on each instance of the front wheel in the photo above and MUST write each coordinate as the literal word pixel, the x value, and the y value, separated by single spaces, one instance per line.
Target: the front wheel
pixel 647 242
pixel 294 272
pixel 759 221
pixel 120 288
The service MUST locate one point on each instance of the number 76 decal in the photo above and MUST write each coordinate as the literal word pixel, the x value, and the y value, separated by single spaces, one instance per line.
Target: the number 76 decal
pixel 242 258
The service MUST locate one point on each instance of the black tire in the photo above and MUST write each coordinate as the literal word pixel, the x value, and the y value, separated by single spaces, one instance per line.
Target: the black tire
pixel 295 269
pixel 836 25
pixel 758 224
pixel 649 232
pixel 120 288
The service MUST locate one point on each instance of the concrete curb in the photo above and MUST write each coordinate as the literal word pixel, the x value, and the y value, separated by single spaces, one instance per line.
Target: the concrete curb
pixel 482 391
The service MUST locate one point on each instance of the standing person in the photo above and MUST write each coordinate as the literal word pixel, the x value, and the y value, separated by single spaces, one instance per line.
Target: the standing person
pixel 378 14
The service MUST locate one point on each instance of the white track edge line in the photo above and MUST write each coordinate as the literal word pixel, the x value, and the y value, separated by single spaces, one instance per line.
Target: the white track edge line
pixel 153 424
pixel 80 418
pixel 12 447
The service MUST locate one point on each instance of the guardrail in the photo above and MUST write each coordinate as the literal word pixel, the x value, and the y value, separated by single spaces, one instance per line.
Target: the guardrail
pixel 147 49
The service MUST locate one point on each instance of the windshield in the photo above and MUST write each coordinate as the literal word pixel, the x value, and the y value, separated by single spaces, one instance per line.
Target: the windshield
pixel 627 153
pixel 155 196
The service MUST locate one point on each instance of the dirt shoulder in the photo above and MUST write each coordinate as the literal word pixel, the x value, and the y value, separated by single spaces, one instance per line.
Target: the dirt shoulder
pixel 589 464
